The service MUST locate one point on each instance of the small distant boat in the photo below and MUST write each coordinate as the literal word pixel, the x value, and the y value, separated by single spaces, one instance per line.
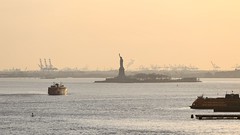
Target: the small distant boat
pixel 57 89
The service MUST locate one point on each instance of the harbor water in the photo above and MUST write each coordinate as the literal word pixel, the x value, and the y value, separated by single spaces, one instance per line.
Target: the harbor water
pixel 110 108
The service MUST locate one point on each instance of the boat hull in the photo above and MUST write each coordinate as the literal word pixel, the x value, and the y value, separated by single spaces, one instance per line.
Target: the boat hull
pixel 57 91
pixel 227 109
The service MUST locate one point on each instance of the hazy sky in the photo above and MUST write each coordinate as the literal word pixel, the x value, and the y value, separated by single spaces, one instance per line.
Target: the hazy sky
pixel 91 33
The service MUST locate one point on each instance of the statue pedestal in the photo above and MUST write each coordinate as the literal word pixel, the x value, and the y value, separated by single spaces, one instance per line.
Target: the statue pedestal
pixel 121 74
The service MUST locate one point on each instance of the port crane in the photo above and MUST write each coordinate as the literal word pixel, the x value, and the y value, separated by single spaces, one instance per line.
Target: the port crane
pixel 215 67
pixel 46 66
pixel 40 65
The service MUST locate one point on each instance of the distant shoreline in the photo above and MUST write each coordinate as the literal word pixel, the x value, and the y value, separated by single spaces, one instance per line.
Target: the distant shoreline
pixel 112 73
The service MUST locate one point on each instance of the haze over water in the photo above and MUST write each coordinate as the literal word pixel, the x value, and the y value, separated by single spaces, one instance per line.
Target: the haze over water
pixel 89 108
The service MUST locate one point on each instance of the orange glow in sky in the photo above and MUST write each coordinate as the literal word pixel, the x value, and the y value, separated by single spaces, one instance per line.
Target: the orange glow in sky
pixel 91 33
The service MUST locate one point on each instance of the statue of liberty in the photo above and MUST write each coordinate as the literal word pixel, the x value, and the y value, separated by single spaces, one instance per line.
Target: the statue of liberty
pixel 121 60
pixel 121 73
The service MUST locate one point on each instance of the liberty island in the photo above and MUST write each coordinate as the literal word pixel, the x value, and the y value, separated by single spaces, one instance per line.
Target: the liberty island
pixel 144 78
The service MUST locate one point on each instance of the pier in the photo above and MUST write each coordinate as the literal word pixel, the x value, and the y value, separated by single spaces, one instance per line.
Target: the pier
pixel 217 116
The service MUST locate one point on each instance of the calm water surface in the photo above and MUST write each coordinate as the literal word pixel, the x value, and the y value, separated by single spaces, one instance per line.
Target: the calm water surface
pixel 89 108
